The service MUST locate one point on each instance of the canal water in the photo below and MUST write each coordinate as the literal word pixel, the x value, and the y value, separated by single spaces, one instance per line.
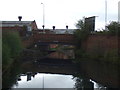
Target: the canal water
pixel 45 80
pixel 41 76
pixel 47 74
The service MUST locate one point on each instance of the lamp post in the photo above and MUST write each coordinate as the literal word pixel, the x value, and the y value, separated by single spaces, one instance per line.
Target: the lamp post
pixel 43 17
pixel 43 81
pixel 105 14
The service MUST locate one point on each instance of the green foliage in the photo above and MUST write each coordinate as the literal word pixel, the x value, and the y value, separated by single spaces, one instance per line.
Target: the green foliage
pixel 10 77
pixel 97 52
pixel 6 54
pixel 11 44
pixel 114 28
pixel 81 34
pixel 80 24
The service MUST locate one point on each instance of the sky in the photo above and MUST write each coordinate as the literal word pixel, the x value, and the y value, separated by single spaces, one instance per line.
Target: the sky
pixel 50 81
pixel 59 13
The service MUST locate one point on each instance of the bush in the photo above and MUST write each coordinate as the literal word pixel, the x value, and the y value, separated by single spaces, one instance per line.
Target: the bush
pixel 114 28
pixel 11 47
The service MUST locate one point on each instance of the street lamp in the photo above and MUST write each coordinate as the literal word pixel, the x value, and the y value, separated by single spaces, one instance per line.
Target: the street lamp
pixel 105 14
pixel 43 17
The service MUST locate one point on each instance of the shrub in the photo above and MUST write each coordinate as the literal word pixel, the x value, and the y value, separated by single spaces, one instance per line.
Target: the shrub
pixel 11 46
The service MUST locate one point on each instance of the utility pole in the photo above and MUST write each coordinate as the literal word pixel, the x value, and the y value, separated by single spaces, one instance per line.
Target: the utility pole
pixel 43 81
pixel 43 17
pixel 105 14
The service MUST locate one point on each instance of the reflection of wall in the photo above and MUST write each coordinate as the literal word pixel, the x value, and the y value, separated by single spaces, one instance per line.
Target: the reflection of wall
pixel 53 45
pixel 104 73
pixel 57 55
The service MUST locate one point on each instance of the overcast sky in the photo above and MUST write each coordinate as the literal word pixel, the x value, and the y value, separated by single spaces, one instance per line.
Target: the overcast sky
pixel 58 13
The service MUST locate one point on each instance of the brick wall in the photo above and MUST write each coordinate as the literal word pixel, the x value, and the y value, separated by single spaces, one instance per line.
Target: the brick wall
pixel 65 38
pixel 101 42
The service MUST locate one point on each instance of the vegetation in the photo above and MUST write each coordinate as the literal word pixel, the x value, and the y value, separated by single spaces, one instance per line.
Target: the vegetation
pixel 10 77
pixel 80 35
pixel 112 29
pixel 11 47
pixel 98 53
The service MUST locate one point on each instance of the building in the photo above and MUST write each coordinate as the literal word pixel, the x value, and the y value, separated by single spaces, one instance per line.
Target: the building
pixel 64 31
pixel 55 31
pixel 41 31
pixel 119 11
pixel 23 27
pixel 30 25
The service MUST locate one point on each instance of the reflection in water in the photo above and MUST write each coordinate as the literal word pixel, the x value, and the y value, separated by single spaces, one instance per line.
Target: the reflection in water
pixel 41 80
pixel 10 76
pixel 44 80
pixel 16 79
pixel 30 79
pixel 82 84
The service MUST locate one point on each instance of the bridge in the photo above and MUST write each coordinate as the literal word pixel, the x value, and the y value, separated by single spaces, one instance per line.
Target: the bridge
pixel 104 42
pixel 66 39
pixel 94 69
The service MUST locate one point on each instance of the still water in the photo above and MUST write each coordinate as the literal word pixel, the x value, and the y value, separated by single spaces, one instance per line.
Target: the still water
pixel 44 80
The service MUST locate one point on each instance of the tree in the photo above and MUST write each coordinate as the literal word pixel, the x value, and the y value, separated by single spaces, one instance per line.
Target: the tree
pixel 12 46
pixel 81 24
pixel 80 35
pixel 114 28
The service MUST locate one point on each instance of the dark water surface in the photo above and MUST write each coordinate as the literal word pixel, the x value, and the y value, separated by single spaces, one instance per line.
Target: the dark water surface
pixel 34 75
pixel 51 72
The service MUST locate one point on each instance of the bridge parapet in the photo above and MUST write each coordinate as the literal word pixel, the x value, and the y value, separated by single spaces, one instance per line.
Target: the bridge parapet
pixel 93 42
pixel 49 38
pixel 58 38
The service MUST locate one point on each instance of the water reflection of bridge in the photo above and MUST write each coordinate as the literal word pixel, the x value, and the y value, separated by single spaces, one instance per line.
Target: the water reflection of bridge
pixel 50 66
pixel 62 68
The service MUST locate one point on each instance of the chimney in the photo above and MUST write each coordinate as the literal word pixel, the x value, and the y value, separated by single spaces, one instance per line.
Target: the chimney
pixel 19 17
pixel 66 26
pixel 53 27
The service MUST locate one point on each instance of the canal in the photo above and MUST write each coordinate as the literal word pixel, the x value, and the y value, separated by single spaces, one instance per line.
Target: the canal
pixel 58 70
pixel 45 80
pixel 29 74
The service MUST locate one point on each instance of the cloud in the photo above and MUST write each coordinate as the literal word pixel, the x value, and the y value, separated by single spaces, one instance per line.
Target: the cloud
pixel 57 12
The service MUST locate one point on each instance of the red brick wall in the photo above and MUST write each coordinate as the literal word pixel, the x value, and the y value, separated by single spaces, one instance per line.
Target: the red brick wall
pixel 102 42
pixel 66 38
pixel 93 42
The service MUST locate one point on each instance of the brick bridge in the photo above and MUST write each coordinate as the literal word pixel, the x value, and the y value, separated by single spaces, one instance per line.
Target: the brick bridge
pixel 104 42
pixel 49 38
pixel 94 43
